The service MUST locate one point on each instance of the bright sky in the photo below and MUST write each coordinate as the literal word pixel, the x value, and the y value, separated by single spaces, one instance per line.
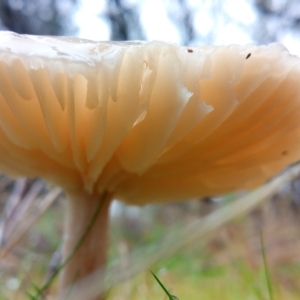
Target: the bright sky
pixel 292 43
pixel 91 26
pixel 231 27
pixel 158 26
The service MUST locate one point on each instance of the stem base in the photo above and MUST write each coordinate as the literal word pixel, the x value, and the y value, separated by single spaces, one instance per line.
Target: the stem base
pixel 86 238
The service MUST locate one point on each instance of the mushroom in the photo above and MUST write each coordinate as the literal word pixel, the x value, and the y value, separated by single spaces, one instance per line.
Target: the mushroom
pixel 142 122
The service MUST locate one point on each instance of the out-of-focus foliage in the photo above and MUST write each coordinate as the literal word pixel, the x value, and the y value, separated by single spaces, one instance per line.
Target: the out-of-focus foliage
pixel 43 17
pixel 123 20
pixel 203 21
pixel 277 18
pixel 188 21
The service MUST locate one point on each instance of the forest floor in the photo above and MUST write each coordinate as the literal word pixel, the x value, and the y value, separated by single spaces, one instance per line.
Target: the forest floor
pixel 227 264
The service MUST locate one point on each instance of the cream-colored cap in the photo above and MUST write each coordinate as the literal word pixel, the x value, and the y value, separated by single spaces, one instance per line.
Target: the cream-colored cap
pixel 149 121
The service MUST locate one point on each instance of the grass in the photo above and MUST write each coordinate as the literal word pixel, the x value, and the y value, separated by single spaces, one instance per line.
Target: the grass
pixel 207 279
pixel 266 268
pixel 232 262
pixel 196 274
pixel 170 296
pixel 229 281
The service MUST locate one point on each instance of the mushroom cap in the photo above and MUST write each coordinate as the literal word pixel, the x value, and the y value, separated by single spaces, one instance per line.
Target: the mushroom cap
pixel 148 121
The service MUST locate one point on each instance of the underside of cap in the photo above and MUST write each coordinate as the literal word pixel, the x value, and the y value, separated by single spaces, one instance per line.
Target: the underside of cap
pixel 148 121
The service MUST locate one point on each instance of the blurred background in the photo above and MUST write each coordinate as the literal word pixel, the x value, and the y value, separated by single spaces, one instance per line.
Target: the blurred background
pixel 185 22
pixel 31 213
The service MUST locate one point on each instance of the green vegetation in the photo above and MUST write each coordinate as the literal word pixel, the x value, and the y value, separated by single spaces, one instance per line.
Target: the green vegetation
pixel 171 297
pixel 254 257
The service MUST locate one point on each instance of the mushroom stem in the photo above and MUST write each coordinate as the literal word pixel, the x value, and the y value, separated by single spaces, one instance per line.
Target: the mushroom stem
pixel 85 240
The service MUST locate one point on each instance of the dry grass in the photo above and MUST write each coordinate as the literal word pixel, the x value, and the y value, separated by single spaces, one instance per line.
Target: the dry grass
pixel 226 264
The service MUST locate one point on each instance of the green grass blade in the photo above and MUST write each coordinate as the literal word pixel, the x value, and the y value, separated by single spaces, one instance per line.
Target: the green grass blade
pixel 266 268
pixel 171 297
